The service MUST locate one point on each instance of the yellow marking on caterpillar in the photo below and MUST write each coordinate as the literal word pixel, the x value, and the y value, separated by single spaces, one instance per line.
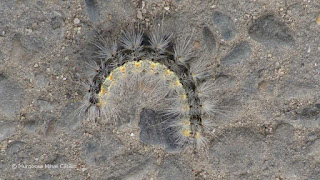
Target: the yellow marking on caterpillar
pixel 189 133
pixel 197 136
pixel 168 72
pixel 123 69
pixel 177 83
pixel 186 132
pixel 153 65
pixel 103 90
pixel 100 103
pixel 186 123
pixel 137 64
pixel 110 77
pixel 184 96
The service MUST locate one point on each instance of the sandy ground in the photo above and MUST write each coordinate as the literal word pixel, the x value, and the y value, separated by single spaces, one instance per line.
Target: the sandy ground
pixel 267 56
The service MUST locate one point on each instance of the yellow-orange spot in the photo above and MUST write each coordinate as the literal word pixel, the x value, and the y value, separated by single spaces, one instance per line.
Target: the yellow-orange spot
pixel 197 136
pixel 186 123
pixel 123 69
pixel 103 90
pixel 110 77
pixel 137 64
pixel 100 103
pixel 186 132
pixel 177 83
pixel 153 65
pixel 168 72
pixel 184 96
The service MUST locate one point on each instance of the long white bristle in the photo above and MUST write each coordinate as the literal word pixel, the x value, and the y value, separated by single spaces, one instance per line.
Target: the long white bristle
pixel 93 112
pixel 159 40
pixel 131 40
pixel 199 69
pixel 183 50
pixel 201 141
pixel 104 52
pixel 207 123
pixel 209 107
pixel 206 89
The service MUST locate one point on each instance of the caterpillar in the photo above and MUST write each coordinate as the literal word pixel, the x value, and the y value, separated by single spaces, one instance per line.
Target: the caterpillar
pixel 154 70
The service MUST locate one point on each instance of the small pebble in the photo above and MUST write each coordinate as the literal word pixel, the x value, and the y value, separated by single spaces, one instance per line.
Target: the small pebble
pixel 309 49
pixel 143 4
pixel 76 21
pixel 79 30
pixel 318 19
pixel 35 26
pixel 196 44
pixel 36 65
pixel 139 14
pixel 29 31
pixel 84 169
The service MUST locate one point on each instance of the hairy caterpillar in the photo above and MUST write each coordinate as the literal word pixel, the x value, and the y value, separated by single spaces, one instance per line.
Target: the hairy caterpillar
pixel 152 71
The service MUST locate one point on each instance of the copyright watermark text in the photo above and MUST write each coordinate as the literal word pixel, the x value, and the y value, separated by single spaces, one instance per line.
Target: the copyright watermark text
pixel 43 166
